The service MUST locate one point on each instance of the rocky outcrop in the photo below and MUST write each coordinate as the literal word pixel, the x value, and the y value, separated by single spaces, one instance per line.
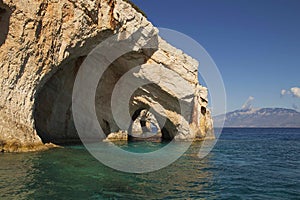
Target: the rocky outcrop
pixel 43 44
pixel 118 136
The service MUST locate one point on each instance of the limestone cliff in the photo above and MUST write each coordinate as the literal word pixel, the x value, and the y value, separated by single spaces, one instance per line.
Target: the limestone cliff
pixel 44 42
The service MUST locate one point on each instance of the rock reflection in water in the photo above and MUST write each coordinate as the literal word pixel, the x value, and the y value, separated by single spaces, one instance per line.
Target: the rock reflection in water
pixel 17 174
pixel 72 172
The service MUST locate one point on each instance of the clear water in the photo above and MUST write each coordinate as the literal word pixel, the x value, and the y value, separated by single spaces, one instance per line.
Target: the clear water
pixel 245 164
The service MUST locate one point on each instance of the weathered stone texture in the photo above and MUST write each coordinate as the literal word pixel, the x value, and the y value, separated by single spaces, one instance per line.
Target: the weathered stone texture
pixel 43 43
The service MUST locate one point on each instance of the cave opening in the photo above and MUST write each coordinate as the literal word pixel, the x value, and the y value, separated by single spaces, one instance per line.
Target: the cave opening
pixel 144 127
pixel 53 116
pixel 53 103
pixel 203 110
pixel 5 13
pixel 166 129
pixel 53 106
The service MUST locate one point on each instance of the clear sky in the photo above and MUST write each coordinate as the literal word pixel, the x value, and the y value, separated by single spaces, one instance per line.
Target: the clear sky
pixel 255 44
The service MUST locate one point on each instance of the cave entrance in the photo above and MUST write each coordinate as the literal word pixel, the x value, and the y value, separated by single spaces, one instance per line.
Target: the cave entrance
pixel 53 103
pixel 53 106
pixel 5 13
pixel 144 127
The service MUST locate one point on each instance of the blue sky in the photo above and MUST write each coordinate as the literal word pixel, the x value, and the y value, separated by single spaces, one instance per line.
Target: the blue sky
pixel 255 44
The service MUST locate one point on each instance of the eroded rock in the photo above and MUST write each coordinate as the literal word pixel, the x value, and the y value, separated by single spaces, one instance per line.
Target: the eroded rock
pixel 117 136
pixel 43 44
pixel 145 122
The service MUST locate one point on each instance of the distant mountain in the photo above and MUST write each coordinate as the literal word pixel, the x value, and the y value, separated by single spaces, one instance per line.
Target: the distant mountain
pixel 263 117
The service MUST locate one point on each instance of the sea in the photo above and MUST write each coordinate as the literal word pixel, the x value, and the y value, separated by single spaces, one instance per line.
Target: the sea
pixel 246 163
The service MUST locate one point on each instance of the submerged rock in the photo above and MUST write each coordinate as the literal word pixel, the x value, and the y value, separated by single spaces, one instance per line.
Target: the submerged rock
pixel 15 145
pixel 43 44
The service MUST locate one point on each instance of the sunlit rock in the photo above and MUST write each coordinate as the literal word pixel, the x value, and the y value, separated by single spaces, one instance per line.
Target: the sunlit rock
pixel 43 44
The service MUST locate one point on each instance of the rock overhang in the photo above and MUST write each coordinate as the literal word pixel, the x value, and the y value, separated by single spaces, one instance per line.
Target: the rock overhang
pixel 44 47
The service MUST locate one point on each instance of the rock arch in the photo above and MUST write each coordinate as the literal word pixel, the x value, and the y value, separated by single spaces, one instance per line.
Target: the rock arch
pixel 46 43
pixel 144 126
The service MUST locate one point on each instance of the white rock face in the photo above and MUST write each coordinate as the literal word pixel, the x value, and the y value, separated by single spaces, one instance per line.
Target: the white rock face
pixel 43 44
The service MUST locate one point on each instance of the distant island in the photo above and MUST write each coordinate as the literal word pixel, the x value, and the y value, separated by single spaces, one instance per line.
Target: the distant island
pixel 260 118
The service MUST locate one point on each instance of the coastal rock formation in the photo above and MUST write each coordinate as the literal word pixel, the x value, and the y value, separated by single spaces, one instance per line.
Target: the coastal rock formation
pixel 145 122
pixel 43 44
pixel 118 136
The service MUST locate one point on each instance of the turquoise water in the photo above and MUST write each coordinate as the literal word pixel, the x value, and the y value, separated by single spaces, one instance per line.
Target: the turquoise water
pixel 245 164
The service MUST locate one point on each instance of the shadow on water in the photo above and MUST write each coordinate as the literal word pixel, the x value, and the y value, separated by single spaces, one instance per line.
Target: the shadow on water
pixel 73 173
pixel 245 164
